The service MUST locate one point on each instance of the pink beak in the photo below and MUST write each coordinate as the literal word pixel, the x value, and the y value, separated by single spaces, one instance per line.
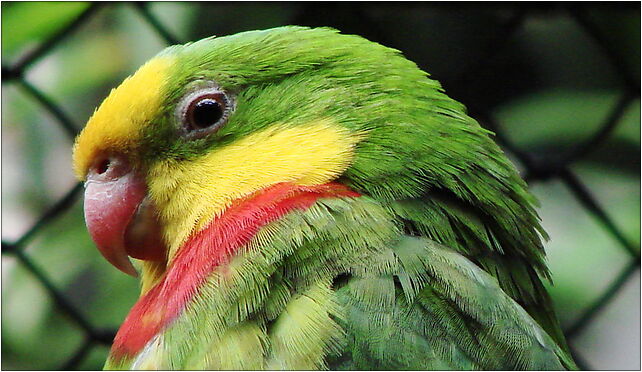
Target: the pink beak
pixel 120 218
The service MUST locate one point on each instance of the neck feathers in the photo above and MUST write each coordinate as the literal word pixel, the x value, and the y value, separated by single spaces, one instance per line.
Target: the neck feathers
pixel 204 252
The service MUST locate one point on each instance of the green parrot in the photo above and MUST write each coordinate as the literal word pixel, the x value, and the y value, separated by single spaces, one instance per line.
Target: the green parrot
pixel 297 198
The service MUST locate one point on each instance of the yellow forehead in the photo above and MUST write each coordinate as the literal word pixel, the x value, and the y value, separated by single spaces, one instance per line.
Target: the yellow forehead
pixel 118 124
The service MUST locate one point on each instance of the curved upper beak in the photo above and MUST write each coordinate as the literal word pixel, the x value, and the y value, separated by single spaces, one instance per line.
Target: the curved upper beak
pixel 120 217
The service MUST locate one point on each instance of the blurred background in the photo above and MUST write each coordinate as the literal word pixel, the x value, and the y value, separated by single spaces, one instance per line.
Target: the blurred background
pixel 558 83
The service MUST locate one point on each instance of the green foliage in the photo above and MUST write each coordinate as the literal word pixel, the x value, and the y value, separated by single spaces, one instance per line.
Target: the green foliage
pixel 30 23
pixel 561 118
pixel 86 281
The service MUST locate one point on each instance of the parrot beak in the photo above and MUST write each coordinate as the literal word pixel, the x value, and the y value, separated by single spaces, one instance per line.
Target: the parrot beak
pixel 120 217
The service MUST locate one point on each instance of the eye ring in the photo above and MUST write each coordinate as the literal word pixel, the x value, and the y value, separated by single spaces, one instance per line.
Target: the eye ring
pixel 203 112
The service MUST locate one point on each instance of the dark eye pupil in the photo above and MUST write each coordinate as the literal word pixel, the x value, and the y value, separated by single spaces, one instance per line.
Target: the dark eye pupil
pixel 206 113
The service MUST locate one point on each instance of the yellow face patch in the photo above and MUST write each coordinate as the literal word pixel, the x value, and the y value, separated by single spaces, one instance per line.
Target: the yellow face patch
pixel 190 193
pixel 117 125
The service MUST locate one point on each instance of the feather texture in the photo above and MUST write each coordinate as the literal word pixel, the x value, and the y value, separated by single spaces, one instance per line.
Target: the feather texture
pixel 385 300
pixel 348 214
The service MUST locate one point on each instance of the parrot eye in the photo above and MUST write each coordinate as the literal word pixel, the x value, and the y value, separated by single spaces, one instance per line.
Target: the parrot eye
pixel 204 112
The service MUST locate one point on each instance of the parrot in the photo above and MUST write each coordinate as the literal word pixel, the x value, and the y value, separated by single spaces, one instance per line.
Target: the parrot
pixel 300 198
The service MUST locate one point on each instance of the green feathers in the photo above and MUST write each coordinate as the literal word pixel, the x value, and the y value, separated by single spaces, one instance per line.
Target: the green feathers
pixel 438 265
pixel 445 313
pixel 339 286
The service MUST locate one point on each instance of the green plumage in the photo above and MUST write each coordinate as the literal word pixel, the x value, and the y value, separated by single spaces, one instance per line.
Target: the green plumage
pixel 438 266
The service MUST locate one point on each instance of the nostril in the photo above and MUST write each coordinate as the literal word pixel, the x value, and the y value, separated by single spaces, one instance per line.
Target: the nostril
pixel 103 166
pixel 108 167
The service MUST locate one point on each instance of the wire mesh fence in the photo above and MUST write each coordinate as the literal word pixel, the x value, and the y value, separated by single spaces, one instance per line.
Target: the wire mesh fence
pixel 536 168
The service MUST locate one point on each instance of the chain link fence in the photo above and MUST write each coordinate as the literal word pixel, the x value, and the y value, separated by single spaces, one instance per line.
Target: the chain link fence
pixel 536 168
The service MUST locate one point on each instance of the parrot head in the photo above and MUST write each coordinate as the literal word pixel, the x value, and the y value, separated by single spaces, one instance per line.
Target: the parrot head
pixel 205 125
